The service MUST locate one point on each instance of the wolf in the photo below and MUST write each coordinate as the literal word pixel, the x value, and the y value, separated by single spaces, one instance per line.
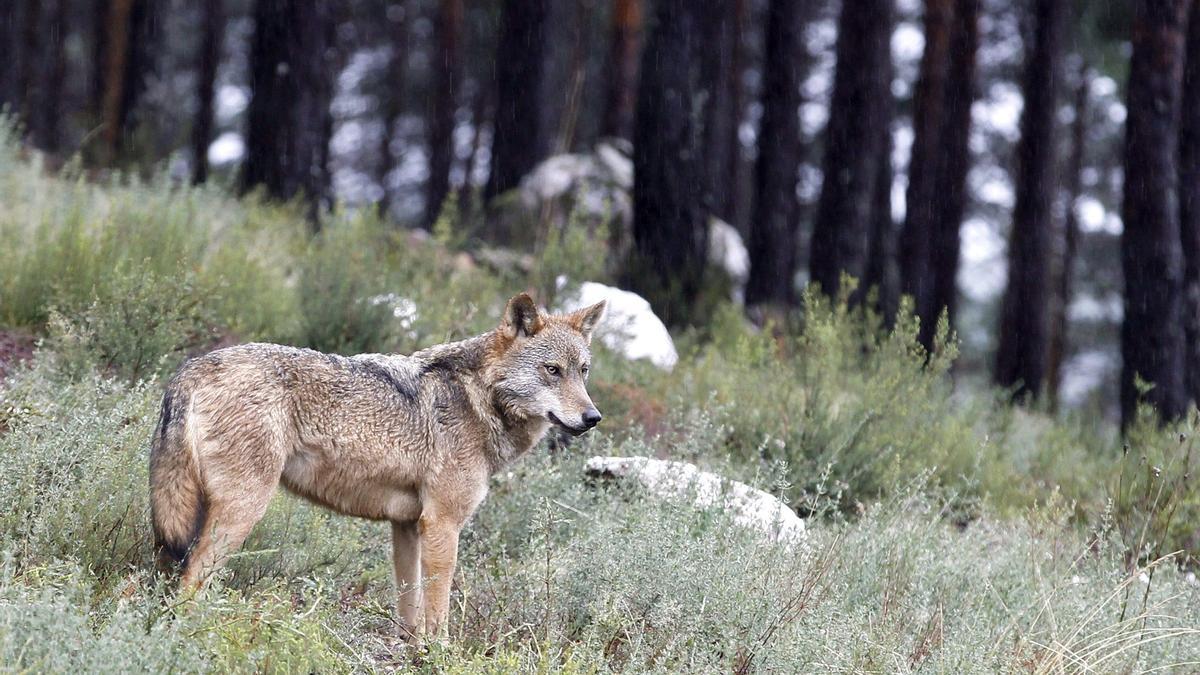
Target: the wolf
pixel 407 439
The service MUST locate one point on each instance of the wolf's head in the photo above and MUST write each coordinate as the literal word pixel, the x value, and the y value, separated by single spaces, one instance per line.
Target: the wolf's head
pixel 540 364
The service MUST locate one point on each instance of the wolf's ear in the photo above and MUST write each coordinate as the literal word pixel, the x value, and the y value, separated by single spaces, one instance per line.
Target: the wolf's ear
pixel 521 318
pixel 585 320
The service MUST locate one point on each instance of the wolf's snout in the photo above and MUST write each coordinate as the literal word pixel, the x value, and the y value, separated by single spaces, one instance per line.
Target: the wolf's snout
pixel 591 417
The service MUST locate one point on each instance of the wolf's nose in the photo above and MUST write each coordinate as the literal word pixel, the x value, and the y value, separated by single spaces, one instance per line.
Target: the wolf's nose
pixel 591 417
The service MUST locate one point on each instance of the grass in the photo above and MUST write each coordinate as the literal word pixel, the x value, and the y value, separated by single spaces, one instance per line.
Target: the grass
pixel 949 531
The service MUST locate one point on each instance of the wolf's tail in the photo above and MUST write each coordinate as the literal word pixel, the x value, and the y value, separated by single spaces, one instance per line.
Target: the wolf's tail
pixel 177 501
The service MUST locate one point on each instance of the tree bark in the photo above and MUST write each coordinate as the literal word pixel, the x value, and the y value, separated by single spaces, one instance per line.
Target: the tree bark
pixel 940 160
pixel 924 191
pixel 721 116
pixel 774 235
pixel 9 14
pixel 881 275
pixel 955 164
pixel 624 44
pixel 1189 204
pixel 393 97
pixel 670 234
pixel 736 172
pixel 117 43
pixel 209 59
pixel 130 45
pixel 1152 334
pixel 447 65
pixel 1064 270
pixel 854 145
pixel 46 121
pixel 289 120
pixel 1021 356
pixel 518 142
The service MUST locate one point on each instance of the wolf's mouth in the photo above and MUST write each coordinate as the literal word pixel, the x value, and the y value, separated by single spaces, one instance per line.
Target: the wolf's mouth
pixel 574 431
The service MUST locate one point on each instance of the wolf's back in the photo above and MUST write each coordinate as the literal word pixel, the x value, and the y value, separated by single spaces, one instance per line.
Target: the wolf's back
pixel 176 494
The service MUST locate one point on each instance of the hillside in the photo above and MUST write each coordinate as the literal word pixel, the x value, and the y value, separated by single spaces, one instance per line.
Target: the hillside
pixel 947 530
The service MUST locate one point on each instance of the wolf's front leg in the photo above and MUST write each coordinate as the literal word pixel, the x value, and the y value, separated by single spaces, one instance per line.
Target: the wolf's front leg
pixel 406 560
pixel 439 553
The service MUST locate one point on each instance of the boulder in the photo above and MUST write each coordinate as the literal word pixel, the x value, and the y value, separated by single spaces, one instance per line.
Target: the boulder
pixel 595 190
pixel 680 481
pixel 629 327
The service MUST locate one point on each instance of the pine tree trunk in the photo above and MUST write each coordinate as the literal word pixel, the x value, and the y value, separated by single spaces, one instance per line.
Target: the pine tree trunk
pixel 737 171
pixel 447 65
pixel 955 163
pixel 720 118
pixel 392 96
pixel 854 145
pixel 1021 356
pixel 774 236
pixel 46 122
pixel 518 142
pixel 1189 204
pixel 9 14
pixel 1064 269
pixel 881 274
pixel 924 193
pixel 209 59
pixel 289 120
pixel 1152 334
pixel 624 44
pixel 670 234
pixel 99 65
pixel 117 43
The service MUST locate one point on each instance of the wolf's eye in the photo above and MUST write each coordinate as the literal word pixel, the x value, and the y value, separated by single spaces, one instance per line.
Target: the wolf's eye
pixel 553 369
pixel 584 370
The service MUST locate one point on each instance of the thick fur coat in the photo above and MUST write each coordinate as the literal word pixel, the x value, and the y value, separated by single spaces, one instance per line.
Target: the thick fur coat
pixel 407 439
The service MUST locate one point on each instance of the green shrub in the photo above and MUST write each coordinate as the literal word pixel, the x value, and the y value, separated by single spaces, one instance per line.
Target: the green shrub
pixel 133 325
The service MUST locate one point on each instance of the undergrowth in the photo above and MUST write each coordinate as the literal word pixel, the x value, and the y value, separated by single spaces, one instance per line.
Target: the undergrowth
pixel 948 530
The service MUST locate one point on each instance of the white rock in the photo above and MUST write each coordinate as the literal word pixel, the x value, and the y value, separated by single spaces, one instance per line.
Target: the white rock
pixel 555 176
pixel 629 327
pixel 727 251
pixel 750 507
pixel 617 162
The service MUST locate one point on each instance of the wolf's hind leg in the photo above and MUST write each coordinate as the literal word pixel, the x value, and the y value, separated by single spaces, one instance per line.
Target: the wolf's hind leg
pixel 406 559
pixel 226 526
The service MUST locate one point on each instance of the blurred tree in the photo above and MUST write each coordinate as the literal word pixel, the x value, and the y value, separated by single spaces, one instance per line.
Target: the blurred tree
pixel 289 119
pixel 854 144
pixel 718 84
pixel 518 139
pixel 624 43
pixel 1152 333
pixel 923 196
pixel 28 63
pixel 8 37
pixel 1189 203
pixel 1064 270
pixel 737 168
pixel 130 40
pixel 670 233
pixel 1021 356
pixel 45 114
pixel 392 95
pixel 774 231
pixel 940 159
pixel 212 26
pixel 881 274
pixel 447 78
